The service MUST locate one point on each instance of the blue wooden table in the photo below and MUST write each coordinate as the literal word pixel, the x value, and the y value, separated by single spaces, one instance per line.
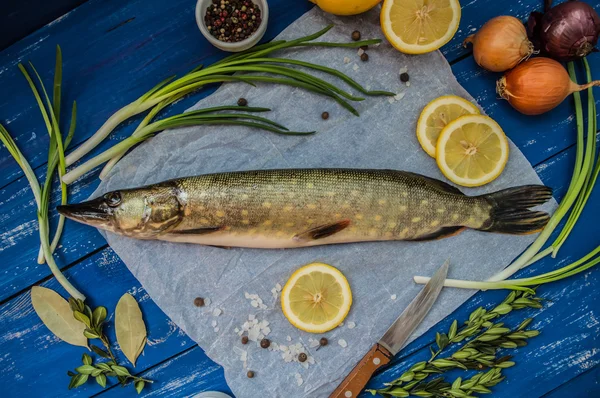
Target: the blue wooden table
pixel 116 50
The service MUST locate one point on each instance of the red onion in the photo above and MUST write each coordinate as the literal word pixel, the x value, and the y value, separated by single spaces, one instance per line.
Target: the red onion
pixel 566 32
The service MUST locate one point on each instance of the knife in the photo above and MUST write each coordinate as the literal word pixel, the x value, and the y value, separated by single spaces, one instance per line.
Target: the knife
pixel 394 338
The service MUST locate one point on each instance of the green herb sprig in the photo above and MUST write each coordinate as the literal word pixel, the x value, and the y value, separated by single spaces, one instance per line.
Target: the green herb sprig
pixel 94 322
pixel 480 352
pixel 100 372
pixel 253 64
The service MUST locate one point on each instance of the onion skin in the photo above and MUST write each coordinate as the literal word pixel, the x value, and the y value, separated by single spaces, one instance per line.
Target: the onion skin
pixel 569 31
pixel 538 85
pixel 500 44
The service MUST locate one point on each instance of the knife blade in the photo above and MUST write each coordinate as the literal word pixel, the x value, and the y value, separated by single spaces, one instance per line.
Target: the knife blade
pixel 394 338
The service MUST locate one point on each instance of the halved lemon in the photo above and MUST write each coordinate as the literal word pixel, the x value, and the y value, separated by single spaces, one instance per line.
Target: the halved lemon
pixel 436 115
pixel 472 150
pixel 419 26
pixel 316 298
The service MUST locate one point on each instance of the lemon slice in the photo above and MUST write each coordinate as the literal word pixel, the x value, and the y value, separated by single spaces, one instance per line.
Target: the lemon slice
pixel 316 298
pixel 472 150
pixel 419 26
pixel 436 115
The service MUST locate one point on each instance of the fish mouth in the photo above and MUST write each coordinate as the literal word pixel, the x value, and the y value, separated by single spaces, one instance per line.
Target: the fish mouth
pixel 93 212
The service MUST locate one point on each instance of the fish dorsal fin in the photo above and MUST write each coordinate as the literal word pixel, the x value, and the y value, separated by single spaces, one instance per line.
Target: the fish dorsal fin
pixel 322 231
pixel 439 234
pixel 196 231
pixel 441 185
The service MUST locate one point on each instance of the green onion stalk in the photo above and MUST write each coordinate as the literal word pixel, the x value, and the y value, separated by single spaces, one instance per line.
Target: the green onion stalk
pixel 56 159
pixel 584 177
pixel 251 67
pixel 193 118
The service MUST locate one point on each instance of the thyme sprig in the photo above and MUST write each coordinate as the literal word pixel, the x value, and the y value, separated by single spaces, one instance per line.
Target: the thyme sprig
pixel 94 322
pixel 479 353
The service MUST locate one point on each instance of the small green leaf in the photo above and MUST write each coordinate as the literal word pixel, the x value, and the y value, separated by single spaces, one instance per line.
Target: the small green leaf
pixel 98 316
pixel 81 317
pixel 407 376
pixel 86 359
pixel 456 384
pixel 101 379
pixel 503 309
pixel 139 386
pixel 89 334
pixel 82 380
pixel 505 364
pixel 453 329
pixel 96 373
pixel 398 392
pixel 70 374
pixel 120 370
pixel 99 351
pixel 85 369
pixel 73 380
pixel 104 366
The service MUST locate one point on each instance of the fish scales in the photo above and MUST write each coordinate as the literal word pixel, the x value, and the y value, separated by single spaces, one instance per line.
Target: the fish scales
pixel 306 207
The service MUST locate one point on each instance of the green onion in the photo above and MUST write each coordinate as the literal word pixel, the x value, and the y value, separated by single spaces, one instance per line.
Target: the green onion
pixel 193 118
pixel 584 177
pixel 249 61
pixel 42 212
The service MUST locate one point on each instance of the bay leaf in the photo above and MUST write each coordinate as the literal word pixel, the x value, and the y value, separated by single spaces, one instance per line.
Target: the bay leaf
pixel 130 327
pixel 56 314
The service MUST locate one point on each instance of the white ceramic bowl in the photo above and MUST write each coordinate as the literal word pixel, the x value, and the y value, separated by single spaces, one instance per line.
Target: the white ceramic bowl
pixel 245 44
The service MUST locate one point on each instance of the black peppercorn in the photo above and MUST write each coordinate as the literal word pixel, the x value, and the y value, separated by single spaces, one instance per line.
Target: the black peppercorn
pixel 242 102
pixel 325 115
pixel 244 339
pixel 323 341
pixel 250 374
pixel 404 77
pixel 199 302
pixel 356 35
pixel 265 343
pixel 302 357
pixel 364 57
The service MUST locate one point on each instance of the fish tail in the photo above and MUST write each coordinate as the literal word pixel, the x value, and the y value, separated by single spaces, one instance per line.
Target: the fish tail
pixel 510 210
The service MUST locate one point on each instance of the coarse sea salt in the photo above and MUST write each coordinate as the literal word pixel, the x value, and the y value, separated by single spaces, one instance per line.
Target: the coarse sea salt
pixel 217 312
pixel 207 301
pixel 299 380
pixel 213 323
pixel 312 343
pixel 346 60
pixel 278 287
pixel 289 338
pixel 342 343
pixel 393 297
pixel 351 325
pixel 399 96
pixel 355 67
pixel 360 52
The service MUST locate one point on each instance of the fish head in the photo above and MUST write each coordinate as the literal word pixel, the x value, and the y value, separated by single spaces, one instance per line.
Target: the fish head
pixel 142 213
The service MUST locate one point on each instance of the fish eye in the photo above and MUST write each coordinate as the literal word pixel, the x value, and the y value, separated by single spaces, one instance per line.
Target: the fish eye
pixel 113 199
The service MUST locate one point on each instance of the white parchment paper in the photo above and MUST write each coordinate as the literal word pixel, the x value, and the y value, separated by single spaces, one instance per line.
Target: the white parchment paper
pixel 380 274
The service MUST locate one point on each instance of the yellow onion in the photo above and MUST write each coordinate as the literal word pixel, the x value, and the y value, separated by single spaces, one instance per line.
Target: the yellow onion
pixel 500 44
pixel 538 85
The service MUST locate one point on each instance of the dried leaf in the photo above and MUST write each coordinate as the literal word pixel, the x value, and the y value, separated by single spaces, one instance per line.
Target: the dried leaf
pixel 56 314
pixel 130 327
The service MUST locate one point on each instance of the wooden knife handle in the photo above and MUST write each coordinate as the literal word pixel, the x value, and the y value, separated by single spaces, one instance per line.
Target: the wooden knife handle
pixel 353 384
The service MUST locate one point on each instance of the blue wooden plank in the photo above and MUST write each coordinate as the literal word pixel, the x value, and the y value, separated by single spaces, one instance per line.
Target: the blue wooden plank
pixel 583 386
pixel 28 350
pixel 185 375
pixel 18 18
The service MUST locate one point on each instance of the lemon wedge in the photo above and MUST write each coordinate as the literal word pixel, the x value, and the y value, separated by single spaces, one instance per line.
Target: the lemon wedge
pixel 419 26
pixel 436 115
pixel 316 298
pixel 472 150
